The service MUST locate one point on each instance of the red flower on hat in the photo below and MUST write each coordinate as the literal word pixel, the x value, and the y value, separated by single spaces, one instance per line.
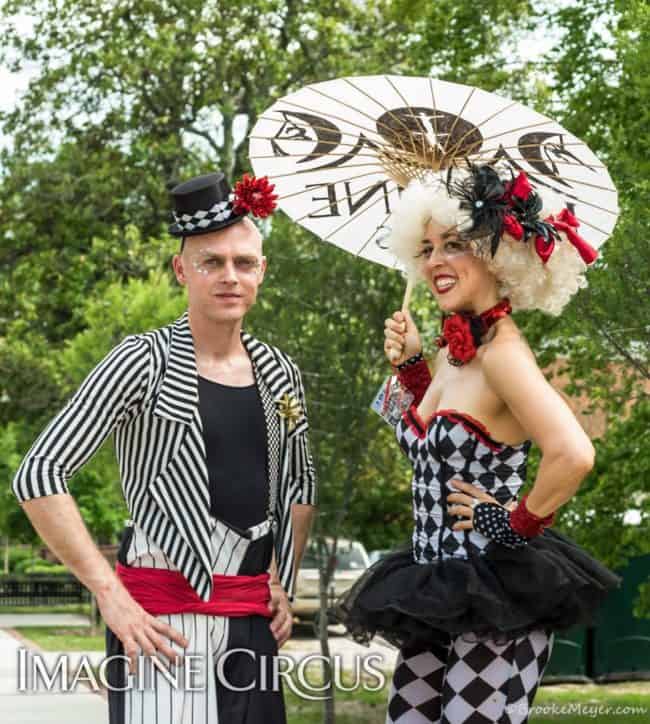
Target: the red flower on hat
pixel 254 195
pixel 457 332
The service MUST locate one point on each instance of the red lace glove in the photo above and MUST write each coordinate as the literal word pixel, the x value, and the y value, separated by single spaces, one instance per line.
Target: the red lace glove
pixel 525 523
pixel 415 376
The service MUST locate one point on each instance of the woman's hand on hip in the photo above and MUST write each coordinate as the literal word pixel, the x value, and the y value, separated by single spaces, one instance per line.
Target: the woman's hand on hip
pixel 462 503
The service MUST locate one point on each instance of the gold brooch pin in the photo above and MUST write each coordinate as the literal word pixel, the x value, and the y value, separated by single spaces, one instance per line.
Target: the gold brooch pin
pixel 289 408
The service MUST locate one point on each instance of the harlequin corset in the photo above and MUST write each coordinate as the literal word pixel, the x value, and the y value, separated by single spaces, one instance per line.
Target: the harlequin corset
pixel 451 445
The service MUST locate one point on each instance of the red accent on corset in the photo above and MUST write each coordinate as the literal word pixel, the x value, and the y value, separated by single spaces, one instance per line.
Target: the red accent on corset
pixel 475 427
pixel 160 591
pixel 463 419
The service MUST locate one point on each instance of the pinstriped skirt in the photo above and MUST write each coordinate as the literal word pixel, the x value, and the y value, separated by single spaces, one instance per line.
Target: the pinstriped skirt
pixel 220 684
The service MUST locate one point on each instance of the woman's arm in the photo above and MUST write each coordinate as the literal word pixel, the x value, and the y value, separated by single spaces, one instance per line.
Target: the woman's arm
pixel 567 453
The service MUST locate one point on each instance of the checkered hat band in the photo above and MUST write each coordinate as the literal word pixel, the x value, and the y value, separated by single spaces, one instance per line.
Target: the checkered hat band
pixel 202 219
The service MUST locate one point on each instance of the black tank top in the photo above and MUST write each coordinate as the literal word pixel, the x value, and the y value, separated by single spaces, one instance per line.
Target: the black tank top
pixel 234 431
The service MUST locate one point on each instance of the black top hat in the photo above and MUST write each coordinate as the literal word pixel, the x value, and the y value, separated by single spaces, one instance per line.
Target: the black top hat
pixel 203 204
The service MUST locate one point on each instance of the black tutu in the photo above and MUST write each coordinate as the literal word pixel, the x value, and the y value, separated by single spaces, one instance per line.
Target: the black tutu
pixel 551 583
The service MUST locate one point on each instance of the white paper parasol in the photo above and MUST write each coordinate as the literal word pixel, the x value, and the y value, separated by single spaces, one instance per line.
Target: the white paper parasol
pixel 339 152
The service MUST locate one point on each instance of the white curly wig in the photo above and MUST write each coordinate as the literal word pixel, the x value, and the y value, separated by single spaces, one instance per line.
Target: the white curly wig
pixel 521 275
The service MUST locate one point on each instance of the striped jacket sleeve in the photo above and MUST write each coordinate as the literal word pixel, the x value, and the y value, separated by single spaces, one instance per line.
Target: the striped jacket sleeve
pixel 303 473
pixel 111 391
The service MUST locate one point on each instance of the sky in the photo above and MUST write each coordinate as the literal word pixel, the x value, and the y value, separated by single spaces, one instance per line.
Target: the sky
pixel 527 47
pixel 13 84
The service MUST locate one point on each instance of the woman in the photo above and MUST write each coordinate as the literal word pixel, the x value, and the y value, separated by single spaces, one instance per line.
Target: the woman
pixel 475 598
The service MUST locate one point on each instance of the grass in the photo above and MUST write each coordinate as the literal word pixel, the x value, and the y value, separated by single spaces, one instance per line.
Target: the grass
pixel 68 638
pixel 578 703
pixel 557 704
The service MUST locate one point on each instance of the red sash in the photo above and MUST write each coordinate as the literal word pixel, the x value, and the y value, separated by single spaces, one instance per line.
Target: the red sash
pixel 161 591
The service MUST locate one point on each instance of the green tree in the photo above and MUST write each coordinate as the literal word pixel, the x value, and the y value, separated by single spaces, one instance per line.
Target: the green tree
pixel 131 97
pixel 599 85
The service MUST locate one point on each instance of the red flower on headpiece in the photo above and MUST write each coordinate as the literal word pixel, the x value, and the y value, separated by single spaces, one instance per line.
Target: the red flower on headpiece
pixel 544 247
pixel 520 188
pixel 513 227
pixel 457 332
pixel 254 195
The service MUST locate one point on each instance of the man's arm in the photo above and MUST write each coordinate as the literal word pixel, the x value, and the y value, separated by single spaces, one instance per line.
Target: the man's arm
pixel 302 471
pixel 304 482
pixel 113 389
pixel 301 519
pixel 282 623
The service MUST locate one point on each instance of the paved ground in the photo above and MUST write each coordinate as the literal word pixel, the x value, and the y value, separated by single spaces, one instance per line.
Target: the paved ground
pixel 42 707
pixel 11 620
pixel 302 645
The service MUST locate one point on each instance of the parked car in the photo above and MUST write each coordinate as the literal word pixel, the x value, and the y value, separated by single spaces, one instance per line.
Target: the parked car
pixel 351 562
pixel 374 556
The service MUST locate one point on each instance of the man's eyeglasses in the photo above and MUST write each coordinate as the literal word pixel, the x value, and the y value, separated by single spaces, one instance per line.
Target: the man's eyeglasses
pixel 209 264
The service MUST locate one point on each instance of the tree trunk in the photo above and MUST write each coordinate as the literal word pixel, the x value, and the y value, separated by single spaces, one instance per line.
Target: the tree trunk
pixel 323 635
pixel 6 563
pixel 227 153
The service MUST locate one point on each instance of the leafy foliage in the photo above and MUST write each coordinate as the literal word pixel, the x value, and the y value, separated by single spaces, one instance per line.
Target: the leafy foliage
pixel 133 96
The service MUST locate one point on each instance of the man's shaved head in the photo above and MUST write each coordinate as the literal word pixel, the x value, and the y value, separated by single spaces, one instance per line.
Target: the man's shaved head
pixel 240 229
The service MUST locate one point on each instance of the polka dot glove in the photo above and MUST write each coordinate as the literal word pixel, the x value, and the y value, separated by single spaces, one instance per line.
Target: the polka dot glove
pixel 493 521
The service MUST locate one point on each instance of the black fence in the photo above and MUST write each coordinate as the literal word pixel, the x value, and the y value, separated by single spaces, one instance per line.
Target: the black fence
pixel 618 648
pixel 37 590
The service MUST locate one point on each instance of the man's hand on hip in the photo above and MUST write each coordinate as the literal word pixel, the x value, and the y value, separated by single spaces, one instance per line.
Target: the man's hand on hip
pixel 140 632
pixel 282 622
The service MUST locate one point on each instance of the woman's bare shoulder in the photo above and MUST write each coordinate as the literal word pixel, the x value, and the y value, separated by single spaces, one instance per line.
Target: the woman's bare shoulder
pixel 508 339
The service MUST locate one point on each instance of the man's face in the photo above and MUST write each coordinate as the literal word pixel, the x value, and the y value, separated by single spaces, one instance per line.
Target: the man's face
pixel 222 270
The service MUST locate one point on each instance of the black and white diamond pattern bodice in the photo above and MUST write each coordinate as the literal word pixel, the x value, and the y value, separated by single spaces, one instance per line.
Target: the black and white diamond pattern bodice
pixel 451 445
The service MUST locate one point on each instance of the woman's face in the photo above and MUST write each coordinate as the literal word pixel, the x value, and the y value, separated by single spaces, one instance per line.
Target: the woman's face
pixel 458 279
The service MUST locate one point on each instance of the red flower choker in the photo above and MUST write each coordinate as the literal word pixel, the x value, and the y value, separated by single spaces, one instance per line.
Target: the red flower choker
pixel 462 331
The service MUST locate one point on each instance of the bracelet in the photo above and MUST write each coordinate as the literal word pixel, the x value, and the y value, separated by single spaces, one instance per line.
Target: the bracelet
pixel 419 357
pixel 526 523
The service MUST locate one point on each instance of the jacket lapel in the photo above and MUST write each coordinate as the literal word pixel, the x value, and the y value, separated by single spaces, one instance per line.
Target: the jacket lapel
pixel 272 381
pixel 178 396
pixel 181 489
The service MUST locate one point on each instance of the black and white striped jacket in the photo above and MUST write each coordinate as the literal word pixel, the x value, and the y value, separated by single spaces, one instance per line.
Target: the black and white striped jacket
pixel 146 391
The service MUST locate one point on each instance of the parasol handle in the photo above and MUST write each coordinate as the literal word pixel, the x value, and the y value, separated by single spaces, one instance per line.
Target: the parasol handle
pixel 405 305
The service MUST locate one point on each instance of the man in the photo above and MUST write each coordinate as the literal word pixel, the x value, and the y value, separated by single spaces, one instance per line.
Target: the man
pixel 211 439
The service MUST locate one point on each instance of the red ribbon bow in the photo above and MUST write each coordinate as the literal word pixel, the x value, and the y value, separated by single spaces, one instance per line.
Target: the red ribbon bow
pixel 565 222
